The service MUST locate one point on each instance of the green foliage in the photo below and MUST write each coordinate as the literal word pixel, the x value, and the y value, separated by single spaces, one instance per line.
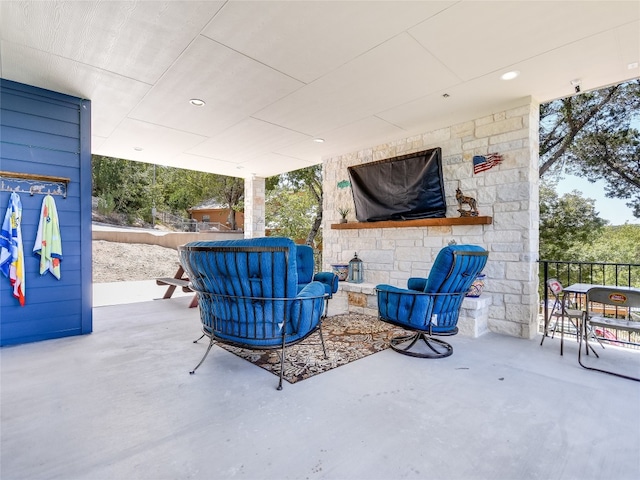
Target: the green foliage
pixel 133 188
pixel 106 204
pixel 572 231
pixel 615 244
pixel 183 189
pixel 290 213
pixel 300 194
pixel 124 186
pixel 567 223
pixel 592 135
pixel 229 192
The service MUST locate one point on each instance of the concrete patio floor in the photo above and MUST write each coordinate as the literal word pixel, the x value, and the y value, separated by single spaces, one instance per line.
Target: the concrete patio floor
pixel 120 404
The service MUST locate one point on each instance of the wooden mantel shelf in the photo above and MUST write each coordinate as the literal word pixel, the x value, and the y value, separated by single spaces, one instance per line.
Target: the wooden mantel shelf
pixel 422 222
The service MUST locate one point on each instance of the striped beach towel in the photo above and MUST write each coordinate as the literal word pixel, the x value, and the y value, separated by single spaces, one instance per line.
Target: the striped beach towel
pixel 11 249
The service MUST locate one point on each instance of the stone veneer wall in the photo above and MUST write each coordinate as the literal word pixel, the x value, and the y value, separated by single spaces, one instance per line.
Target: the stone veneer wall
pixel 507 192
pixel 254 207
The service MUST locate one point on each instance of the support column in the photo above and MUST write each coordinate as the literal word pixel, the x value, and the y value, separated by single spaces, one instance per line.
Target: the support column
pixel 254 193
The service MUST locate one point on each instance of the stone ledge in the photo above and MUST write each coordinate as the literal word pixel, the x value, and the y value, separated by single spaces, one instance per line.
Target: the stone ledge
pixel 366 288
pixel 422 222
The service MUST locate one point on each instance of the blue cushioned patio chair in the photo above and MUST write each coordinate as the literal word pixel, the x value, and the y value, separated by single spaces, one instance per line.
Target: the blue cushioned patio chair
pixel 431 306
pixel 248 294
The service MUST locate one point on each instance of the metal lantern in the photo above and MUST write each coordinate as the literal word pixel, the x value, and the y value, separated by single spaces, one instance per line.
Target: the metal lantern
pixel 355 270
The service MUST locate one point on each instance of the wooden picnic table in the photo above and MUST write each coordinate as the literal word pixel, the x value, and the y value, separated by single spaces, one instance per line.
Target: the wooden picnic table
pixel 178 280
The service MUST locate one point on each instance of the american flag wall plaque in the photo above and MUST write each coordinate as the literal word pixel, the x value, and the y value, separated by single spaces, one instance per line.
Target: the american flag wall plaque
pixel 485 162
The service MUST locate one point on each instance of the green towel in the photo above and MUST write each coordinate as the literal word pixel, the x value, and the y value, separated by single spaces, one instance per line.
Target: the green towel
pixel 48 242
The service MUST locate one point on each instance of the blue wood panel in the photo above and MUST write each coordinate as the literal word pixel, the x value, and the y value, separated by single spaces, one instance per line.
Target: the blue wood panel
pixel 16 99
pixel 45 141
pixel 42 327
pixel 13 157
pixel 47 133
pixel 53 309
pixel 39 124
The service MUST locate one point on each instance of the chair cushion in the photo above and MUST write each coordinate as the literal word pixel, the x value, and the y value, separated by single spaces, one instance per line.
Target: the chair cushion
pixel 417 283
pixel 440 278
pixel 304 264
pixel 270 275
pixel 329 280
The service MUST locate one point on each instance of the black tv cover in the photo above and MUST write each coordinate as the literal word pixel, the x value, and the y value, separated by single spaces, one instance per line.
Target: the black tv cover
pixel 399 188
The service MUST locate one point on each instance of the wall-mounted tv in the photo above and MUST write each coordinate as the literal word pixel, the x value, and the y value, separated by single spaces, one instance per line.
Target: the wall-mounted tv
pixel 399 188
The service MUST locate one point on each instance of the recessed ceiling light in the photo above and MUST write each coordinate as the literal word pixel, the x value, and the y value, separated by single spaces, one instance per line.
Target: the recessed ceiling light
pixel 239 167
pixel 632 65
pixel 138 149
pixel 196 102
pixel 318 140
pixel 510 75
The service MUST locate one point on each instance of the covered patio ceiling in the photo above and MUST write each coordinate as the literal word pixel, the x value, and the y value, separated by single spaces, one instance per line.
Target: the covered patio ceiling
pixel 277 75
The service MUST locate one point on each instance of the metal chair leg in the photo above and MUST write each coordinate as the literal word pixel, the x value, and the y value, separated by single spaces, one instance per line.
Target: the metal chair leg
pixel 324 349
pixel 281 353
pixel 211 343
pixel 440 348
pixel 199 338
pixel 586 340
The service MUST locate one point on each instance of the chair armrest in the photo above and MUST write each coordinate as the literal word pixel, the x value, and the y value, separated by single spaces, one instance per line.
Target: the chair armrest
pixel 393 289
pixel 417 283
pixel 312 290
pixel 404 307
pixel 329 280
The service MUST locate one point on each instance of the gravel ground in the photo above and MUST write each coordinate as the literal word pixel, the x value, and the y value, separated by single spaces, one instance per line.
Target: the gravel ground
pixel 123 262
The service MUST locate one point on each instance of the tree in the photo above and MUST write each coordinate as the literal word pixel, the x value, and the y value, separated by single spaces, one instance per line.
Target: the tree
pixel 592 135
pixel 616 244
pixel 289 213
pixel 183 189
pixel 123 186
pixel 566 224
pixel 133 188
pixel 308 180
pixel 229 192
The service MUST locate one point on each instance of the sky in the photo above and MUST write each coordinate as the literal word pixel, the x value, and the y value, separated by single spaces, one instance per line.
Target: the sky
pixel 611 209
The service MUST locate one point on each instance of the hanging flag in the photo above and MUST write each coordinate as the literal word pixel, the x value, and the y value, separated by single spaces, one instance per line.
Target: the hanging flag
pixel 11 250
pixel 48 242
pixel 485 162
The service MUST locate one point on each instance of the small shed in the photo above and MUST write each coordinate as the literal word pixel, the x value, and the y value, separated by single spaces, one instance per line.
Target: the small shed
pixel 215 214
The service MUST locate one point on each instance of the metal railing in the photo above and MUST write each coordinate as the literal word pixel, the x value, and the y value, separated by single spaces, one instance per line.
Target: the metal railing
pixel 596 273
pixel 190 224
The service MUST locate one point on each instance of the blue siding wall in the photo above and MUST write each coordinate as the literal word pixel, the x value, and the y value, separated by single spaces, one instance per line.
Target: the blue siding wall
pixel 47 133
